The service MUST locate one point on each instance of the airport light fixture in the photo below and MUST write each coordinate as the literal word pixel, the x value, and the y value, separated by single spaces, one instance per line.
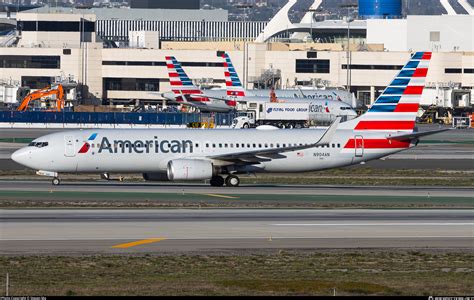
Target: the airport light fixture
pixel 312 10
pixel 348 52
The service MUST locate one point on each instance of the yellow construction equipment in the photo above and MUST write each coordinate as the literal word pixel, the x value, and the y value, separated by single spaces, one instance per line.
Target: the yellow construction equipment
pixel 56 90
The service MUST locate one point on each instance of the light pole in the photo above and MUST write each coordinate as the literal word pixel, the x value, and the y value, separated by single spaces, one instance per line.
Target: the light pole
pixel 348 52
pixel 312 10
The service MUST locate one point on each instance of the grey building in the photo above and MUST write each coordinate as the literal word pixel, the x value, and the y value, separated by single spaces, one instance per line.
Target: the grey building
pixel 166 4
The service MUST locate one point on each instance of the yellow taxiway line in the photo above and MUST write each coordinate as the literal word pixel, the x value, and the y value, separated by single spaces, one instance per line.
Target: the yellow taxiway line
pixel 138 243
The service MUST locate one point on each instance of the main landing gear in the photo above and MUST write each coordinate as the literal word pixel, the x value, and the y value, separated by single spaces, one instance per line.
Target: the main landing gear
pixel 230 181
pixel 56 181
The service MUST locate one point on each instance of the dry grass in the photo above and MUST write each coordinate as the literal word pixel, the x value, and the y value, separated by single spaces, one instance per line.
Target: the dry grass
pixel 351 272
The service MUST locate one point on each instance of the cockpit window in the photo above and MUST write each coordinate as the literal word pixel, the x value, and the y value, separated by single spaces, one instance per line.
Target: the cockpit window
pixel 38 144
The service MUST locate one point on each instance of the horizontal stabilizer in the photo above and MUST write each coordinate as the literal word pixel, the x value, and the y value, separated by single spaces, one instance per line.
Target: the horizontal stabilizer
pixel 414 135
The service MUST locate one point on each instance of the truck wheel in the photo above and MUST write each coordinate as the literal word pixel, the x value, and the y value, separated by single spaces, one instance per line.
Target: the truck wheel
pixel 290 126
pixel 246 125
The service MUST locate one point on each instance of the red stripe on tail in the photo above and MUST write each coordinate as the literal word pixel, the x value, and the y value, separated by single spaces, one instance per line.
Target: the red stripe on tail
pixel 420 72
pixel 427 55
pixel 413 90
pixel 377 144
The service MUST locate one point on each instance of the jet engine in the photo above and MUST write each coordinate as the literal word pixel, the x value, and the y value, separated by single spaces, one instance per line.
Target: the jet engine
pixel 155 176
pixel 189 169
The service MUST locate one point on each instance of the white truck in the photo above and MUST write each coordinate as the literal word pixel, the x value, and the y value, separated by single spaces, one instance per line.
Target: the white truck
pixel 282 115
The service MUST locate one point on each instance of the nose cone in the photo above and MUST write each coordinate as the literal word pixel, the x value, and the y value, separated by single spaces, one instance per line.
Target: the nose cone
pixel 22 156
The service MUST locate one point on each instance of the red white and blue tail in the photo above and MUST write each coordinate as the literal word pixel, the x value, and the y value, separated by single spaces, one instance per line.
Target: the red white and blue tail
pixel 396 108
pixel 232 81
pixel 181 84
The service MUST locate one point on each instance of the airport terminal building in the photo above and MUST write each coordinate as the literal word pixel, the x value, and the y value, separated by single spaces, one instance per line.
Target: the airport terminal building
pixel 118 59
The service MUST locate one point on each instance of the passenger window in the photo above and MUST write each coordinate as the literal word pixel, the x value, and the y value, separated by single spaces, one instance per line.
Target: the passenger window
pixel 197 145
pixel 232 145
pixel 248 145
pixel 207 145
pixel 254 145
pixel 213 145
pixel 338 145
pixel 225 145
pixel 266 145
pixel 236 145
pixel 220 145
pixel 259 145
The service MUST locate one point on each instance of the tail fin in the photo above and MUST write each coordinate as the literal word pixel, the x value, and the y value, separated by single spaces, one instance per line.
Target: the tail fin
pixel 396 108
pixel 181 84
pixel 232 81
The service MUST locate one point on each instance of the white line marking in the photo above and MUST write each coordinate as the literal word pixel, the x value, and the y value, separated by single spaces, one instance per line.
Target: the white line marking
pixel 249 238
pixel 376 224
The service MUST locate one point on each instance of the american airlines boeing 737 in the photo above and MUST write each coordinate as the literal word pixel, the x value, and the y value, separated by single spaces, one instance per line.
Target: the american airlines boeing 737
pixel 221 155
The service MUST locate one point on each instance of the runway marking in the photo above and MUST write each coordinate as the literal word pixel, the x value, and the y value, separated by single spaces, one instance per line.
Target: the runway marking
pixel 221 196
pixel 138 243
pixel 244 238
pixel 376 224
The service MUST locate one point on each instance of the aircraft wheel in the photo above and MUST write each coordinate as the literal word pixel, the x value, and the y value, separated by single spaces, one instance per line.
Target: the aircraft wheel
pixel 232 181
pixel 217 181
pixel 56 181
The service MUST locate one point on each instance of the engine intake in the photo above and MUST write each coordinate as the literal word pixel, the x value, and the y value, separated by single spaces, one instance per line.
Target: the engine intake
pixel 189 169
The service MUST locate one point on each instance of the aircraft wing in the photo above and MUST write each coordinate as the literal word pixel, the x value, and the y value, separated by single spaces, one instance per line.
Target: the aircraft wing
pixel 262 155
pixel 414 135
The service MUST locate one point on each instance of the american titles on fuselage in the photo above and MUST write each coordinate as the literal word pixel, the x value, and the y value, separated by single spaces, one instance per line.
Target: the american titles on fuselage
pixel 146 146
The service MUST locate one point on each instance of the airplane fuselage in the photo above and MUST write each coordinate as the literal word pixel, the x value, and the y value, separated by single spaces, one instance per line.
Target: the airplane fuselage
pixel 141 151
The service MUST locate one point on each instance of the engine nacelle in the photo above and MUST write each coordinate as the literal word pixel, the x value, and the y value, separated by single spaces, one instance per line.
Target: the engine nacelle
pixel 156 176
pixel 189 169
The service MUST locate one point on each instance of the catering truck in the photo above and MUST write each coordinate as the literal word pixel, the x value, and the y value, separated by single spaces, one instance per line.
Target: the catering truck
pixel 282 115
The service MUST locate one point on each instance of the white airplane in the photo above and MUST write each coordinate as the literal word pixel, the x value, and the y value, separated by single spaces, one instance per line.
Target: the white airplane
pixel 195 154
pixel 224 100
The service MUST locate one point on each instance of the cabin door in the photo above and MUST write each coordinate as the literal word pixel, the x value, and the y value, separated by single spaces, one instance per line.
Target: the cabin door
pixel 70 148
pixel 359 146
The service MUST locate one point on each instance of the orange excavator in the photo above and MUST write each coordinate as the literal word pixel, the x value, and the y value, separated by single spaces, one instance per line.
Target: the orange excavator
pixel 56 90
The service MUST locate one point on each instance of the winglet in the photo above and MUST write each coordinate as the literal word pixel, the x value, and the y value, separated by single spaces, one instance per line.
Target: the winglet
pixel 330 132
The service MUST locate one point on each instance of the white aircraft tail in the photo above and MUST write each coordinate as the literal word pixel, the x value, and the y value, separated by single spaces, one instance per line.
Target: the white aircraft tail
pixel 181 84
pixel 396 108
pixel 232 81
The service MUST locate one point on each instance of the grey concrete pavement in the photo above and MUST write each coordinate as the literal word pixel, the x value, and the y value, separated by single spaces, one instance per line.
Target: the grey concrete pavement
pixel 69 231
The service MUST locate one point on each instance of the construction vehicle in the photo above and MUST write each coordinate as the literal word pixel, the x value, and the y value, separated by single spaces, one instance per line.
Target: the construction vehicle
pixel 52 90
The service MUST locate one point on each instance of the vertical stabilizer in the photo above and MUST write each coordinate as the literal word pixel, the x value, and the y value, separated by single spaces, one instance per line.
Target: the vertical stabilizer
pixel 396 108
